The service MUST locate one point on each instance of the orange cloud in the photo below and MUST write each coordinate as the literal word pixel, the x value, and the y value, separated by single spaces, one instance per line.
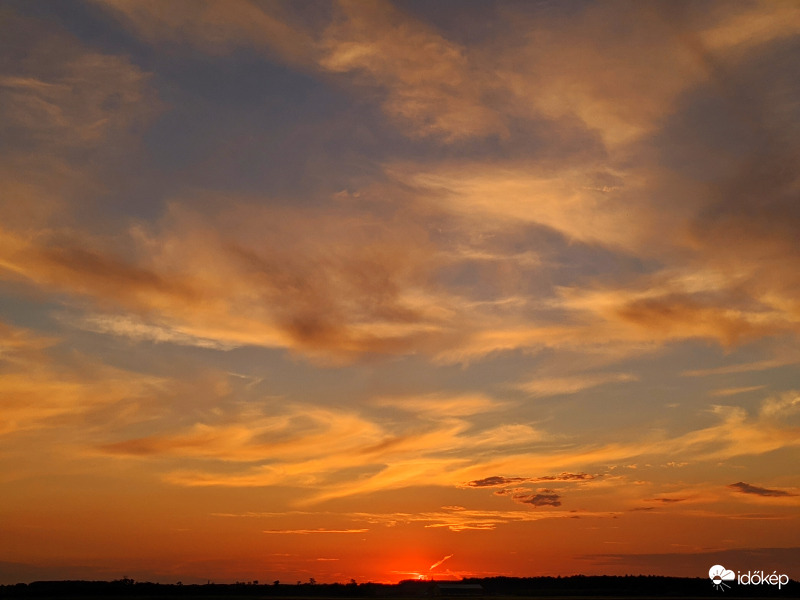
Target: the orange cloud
pixel 216 27
pixel 427 80
pixel 751 25
pixel 37 391
pixel 89 99
pixel 576 201
pixel 685 317
pixel 479 520
pixel 739 390
pixel 551 386
pixel 360 285
pixel 357 287
pixel 320 450
pixel 310 531
pixel 68 114
pixel 314 447
pixel 619 80
pixel 442 405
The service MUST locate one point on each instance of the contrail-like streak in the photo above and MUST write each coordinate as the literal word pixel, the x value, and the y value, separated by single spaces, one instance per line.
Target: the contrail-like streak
pixel 436 564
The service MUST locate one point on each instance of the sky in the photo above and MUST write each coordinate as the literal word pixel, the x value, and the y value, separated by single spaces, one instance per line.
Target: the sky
pixel 384 290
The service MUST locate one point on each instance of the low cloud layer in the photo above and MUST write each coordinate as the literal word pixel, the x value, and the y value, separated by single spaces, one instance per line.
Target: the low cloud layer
pixel 543 497
pixel 746 488
pixel 501 481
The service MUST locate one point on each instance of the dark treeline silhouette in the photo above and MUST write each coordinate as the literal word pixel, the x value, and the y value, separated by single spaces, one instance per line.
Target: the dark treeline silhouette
pixel 639 586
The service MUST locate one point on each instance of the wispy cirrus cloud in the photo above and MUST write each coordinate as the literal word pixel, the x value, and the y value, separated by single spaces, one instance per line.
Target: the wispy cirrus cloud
pixel 345 302
pixel 568 200
pixel 553 386
pixel 749 26
pixel 761 365
pixel 462 519
pixel 293 434
pixel 440 87
pixel 426 81
pixel 344 305
pixel 442 405
pixel 128 326
pixel 68 117
pixel 215 28
pixel 321 450
pixel 77 98
pixel 38 391
pixel 737 390
pixel 313 531
pixel 475 520
pixel 429 82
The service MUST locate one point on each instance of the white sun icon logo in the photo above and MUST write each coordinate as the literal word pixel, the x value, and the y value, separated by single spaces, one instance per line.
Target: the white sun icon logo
pixel 719 575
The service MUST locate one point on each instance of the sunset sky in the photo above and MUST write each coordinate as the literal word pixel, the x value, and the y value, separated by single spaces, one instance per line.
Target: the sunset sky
pixel 384 290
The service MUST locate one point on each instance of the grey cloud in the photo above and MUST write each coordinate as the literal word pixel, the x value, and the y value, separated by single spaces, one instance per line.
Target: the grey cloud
pixel 496 481
pixel 543 497
pixel 667 500
pixel 511 491
pixel 746 488
pixel 565 477
pixel 502 481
